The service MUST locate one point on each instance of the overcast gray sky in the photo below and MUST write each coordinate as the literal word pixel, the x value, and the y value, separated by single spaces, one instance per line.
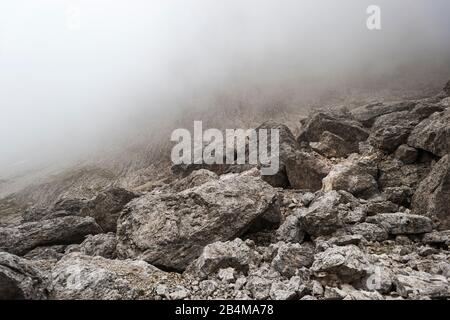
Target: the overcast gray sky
pixel 64 85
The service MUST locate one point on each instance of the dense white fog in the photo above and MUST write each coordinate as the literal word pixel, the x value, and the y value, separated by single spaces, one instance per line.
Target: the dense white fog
pixel 74 74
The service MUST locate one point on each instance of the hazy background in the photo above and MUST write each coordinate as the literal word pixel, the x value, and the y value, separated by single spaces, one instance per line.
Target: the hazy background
pixel 67 89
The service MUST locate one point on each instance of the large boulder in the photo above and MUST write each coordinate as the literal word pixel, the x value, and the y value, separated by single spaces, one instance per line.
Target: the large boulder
pixel 287 147
pixel 171 230
pixel 355 175
pixel 420 285
pixel 433 134
pixel 402 223
pixel 105 208
pixel 367 114
pixel 328 213
pixel 67 230
pixel 291 230
pixel 393 173
pixel 61 208
pixel 333 146
pixel 392 130
pixel 369 231
pixel 338 122
pixel 234 254
pixel 433 194
pixel 19 279
pixel 103 245
pixel 305 170
pixel 81 277
pixel 196 178
pixel 345 264
pixel 292 256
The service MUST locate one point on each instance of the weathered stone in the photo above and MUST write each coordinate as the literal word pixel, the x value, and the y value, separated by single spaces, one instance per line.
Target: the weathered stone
pixel 340 123
pixel 346 240
pixel 393 173
pixel 195 179
pixel 227 275
pixel 328 213
pixel 355 175
pixel 398 195
pixel 62 208
pixel 305 170
pixel 437 238
pixel 170 230
pixel 234 254
pixel 367 114
pixel 353 294
pixel 433 134
pixel 103 245
pixel 77 276
pixel 369 231
pixel 287 148
pixel 333 146
pixel 179 293
pixel 402 223
pixel 291 230
pixel 259 287
pixel 288 289
pixel 25 237
pixel 392 130
pixel 432 196
pixel 375 207
pixel 19 279
pixel 46 253
pixel 105 208
pixel 406 154
pixel 292 256
pixel 346 264
pixel 421 285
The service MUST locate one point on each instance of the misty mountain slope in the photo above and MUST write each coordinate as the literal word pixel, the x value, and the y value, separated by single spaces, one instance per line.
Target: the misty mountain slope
pixel 361 214
pixel 142 161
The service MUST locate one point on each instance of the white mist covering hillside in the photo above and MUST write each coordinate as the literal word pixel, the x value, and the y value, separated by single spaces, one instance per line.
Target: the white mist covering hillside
pixel 79 76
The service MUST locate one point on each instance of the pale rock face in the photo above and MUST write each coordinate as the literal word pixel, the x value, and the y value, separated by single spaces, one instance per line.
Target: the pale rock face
pixel 339 123
pixel 291 230
pixel 103 245
pixel 305 170
pixel 234 254
pixel 355 175
pixel 371 232
pixel 19 279
pixel 367 114
pixel 347 263
pixel 105 208
pixel 432 196
pixel 433 134
pixel 333 146
pixel 392 130
pixel 292 256
pixel 287 148
pixel 77 276
pixel 329 212
pixel 402 223
pixel 170 230
pixel 25 237
pixel 421 284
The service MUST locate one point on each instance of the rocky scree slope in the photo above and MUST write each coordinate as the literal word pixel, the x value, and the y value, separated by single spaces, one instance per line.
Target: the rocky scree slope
pixel 359 210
